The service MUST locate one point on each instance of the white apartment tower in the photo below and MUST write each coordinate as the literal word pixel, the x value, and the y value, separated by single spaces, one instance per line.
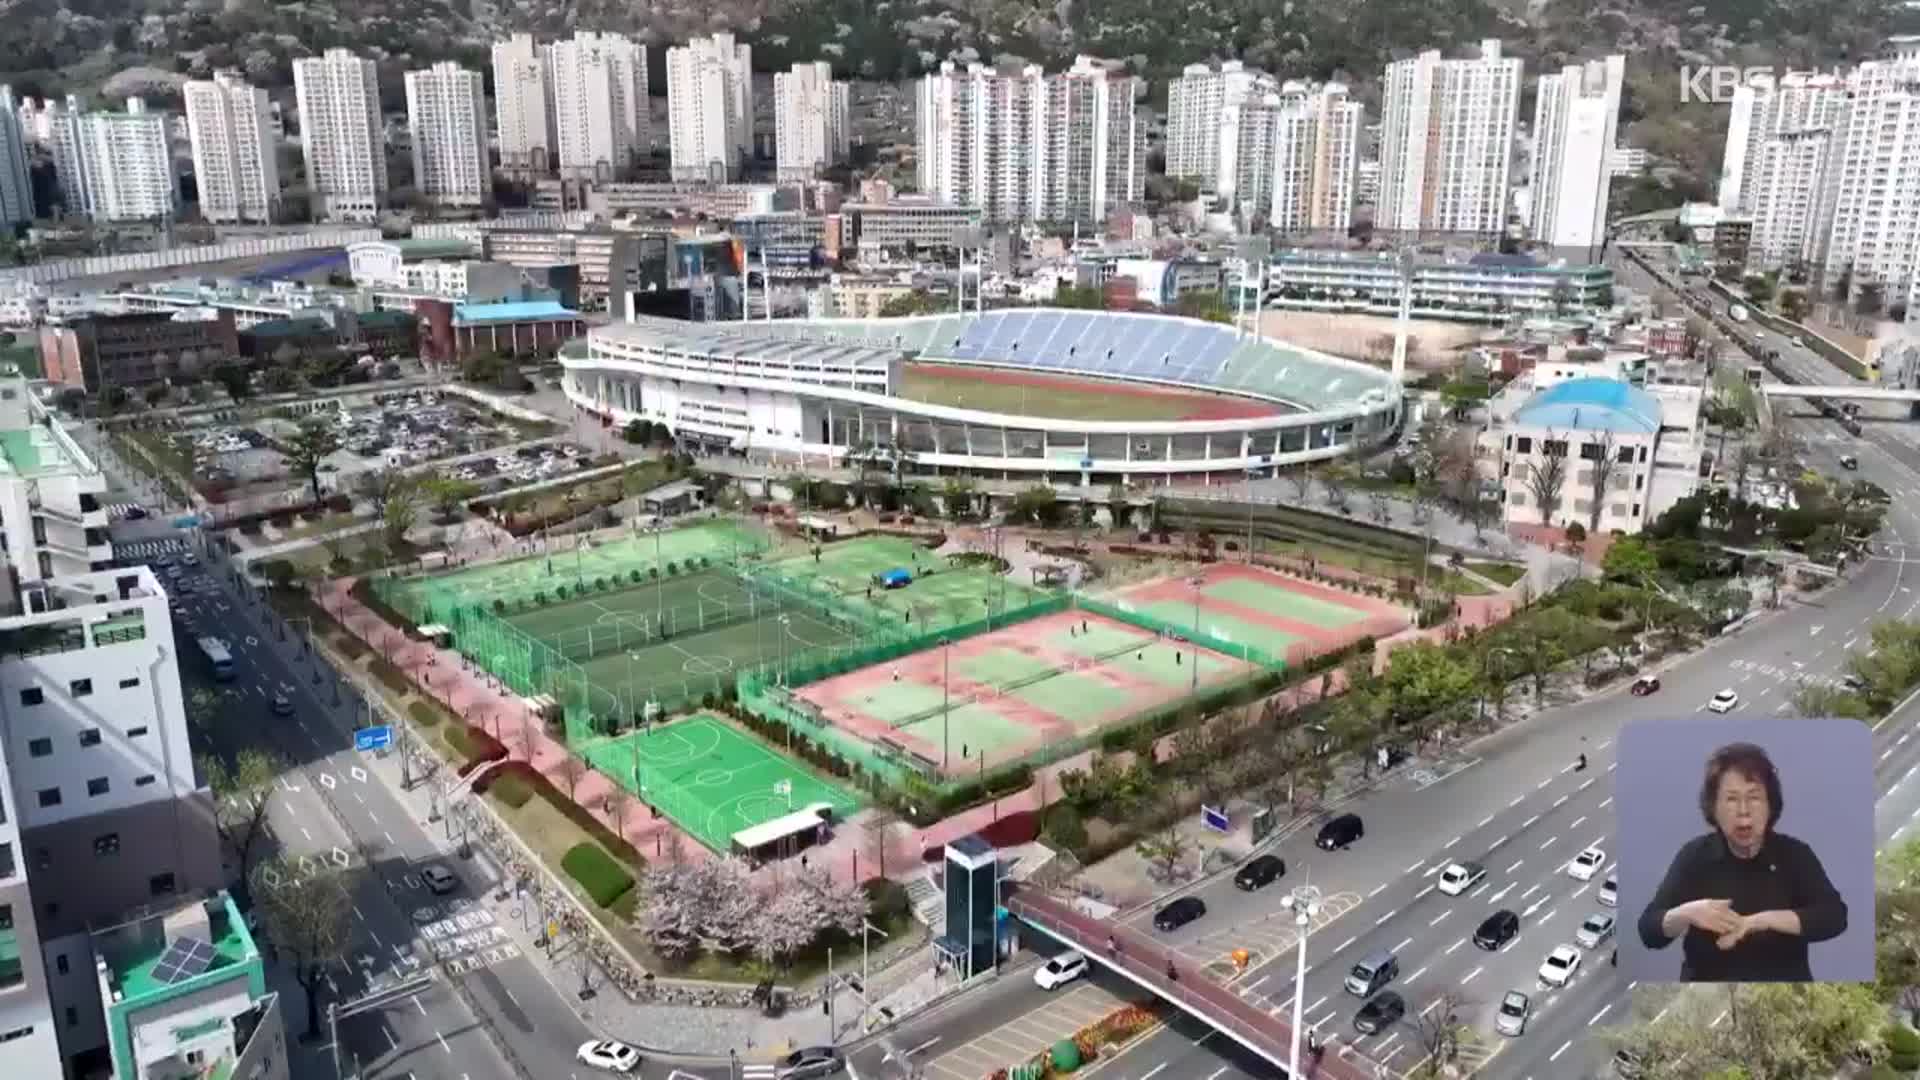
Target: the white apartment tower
pixel 234 161
pixel 16 184
pixel 598 88
pixel 341 135
pixel 1870 198
pixel 1315 163
pixel 710 108
pixel 1575 118
pixel 1031 146
pixel 522 107
pixel 1764 108
pixel 1446 142
pixel 1199 126
pixel 809 121
pixel 447 114
pixel 114 166
pixel 1785 179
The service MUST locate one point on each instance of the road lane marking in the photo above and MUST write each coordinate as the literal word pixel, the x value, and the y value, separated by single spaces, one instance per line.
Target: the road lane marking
pixel 417 1005
pixel 1528 824
pixel 1485 821
pixel 1515 802
pixel 1403 945
pixel 1495 898
pixel 1549 842
pixel 1604 1009
pixel 1455 945
pixel 1421 895
pixel 1377 890
pixel 1471 975
pixel 1543 783
pixel 1561 801
pixel 1515 866
pixel 1416 975
pixel 1342 947
pixel 1531 889
pixel 1415 866
pixel 357 915
pixel 1577 821
pixel 1555 1056
pixel 1588 782
pixel 1497 843
pixel 1606 802
pixel 305 833
pixel 1382 920
pixel 443 1042
pixel 1456 839
pixel 1442 915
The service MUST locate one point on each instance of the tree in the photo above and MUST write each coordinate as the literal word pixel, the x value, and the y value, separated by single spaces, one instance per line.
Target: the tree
pixel 308 450
pixel 787 922
pixel 1602 460
pixel 1438 1027
pixel 637 432
pixel 305 917
pixel 1771 1031
pixel 1547 475
pixel 1165 850
pixel 1870 299
pixel 1334 483
pixel 1302 478
pixel 1819 700
pixel 235 379
pixel 835 905
pixel 571 771
pixel 241 798
pixel 619 807
pixel 1421 680
pixel 880 822
pixel 398 518
pixel 447 495
pixel 1630 560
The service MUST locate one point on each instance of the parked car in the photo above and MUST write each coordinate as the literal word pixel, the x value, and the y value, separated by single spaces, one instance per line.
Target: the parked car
pixel 1179 913
pixel 1723 702
pixel 1262 870
pixel 810 1062
pixel 1379 1014
pixel 609 1054
pixel 1060 970
pixel 1460 876
pixel 1644 685
pixel 1511 1019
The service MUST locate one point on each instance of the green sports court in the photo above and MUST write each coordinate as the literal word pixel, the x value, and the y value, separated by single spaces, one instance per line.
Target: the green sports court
pixel 940 593
pixel 709 778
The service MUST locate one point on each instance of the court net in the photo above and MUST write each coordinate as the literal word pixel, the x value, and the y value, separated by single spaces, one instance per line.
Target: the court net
pixel 721 599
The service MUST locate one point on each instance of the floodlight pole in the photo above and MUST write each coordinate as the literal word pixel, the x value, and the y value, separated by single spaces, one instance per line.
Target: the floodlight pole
pixel 1196 581
pixel 946 743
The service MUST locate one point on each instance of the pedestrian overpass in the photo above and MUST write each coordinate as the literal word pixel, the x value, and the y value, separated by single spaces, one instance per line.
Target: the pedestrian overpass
pixel 1856 392
pixel 1147 963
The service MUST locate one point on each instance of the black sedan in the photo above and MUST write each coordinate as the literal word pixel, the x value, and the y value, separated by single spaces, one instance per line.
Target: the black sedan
pixel 1384 1011
pixel 1497 929
pixel 1261 871
pixel 1179 913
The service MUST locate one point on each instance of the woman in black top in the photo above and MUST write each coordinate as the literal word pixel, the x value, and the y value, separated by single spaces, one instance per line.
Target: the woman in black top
pixel 1747 899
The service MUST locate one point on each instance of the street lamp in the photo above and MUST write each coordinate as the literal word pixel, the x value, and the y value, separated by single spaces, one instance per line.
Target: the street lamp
pixel 1304 902
pixel 945 742
pixel 1196 581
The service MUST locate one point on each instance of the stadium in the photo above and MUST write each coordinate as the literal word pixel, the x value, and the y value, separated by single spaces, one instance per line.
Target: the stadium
pixel 1064 397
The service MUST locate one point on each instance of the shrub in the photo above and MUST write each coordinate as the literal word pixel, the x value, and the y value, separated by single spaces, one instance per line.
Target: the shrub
pixel 560 592
pixel 1903 1048
pixel 458 739
pixel 603 879
pixel 513 791
pixel 887 901
pixel 600 583
pixel 634 575
pixel 499 607
pixel 574 812
pixel 392 677
pixel 672 568
pixel 540 598
pixel 480 746
pixel 653 571
pixel 423 714
pixel 1882 1071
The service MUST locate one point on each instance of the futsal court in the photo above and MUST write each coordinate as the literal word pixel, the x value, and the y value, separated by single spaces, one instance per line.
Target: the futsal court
pixel 711 779
pixel 998 697
pixel 675 639
pixel 940 595
pixel 1283 617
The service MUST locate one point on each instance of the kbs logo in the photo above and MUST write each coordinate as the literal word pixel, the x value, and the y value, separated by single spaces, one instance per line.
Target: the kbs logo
pixel 1714 84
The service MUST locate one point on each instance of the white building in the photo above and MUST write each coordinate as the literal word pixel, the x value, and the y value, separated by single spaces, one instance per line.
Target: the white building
pixel 1783 198
pixel 1763 109
pixel 341 135
pixel 1576 114
pixel 598 87
pixel 1870 199
pixel 234 161
pixel 709 108
pixel 1315 159
pixel 810 128
pixel 1031 146
pixel 1200 127
pixel 522 107
pixel 1446 141
pixel 446 111
pixel 1628 161
pixel 16 184
pixel 114 166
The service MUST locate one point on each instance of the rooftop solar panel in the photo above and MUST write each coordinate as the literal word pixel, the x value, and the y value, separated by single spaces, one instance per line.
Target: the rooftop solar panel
pixel 185 958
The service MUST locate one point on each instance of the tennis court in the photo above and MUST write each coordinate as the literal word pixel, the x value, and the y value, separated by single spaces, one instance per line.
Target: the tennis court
pixel 939 593
pixel 711 779
pixel 998 697
pixel 1282 616
pixel 675 638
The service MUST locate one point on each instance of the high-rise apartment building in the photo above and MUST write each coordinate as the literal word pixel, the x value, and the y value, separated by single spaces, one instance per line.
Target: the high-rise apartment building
pixel 114 166
pixel 597 84
pixel 1870 190
pixel 1316 146
pixel 522 106
pixel 235 165
pixel 447 115
pixel 709 108
pixel 809 121
pixel 1575 118
pixel 1763 108
pixel 1031 146
pixel 1200 127
pixel 341 135
pixel 16 184
pixel 1446 142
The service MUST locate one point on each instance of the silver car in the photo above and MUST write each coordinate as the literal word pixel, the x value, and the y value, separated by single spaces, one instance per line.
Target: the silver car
pixel 1596 931
pixel 1511 1019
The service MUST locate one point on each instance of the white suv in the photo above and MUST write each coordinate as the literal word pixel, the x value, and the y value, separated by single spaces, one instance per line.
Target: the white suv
pixel 1460 876
pixel 1060 970
pixel 1723 702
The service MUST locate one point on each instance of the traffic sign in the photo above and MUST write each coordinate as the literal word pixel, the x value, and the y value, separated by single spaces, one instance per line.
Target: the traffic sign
pixel 378 737
pixel 1215 818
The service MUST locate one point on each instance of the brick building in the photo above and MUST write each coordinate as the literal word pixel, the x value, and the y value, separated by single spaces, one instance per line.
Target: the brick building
pixel 94 351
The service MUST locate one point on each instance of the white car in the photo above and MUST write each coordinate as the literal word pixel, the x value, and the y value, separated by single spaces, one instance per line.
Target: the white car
pixel 1060 970
pixel 1560 965
pixel 1586 864
pixel 1610 891
pixel 609 1054
pixel 1460 876
pixel 1595 932
pixel 1724 701
pixel 1511 1020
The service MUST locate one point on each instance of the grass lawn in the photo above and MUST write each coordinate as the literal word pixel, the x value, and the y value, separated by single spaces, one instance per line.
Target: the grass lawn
pixel 1068 398
pixel 1504 573
pixel 1379 566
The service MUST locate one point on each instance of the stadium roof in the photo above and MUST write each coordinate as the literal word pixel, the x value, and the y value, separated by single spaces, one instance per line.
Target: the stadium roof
pixel 1592 405
pixel 512 311
pixel 744 340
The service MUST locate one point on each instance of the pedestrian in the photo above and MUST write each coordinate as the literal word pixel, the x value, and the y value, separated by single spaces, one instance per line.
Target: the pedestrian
pixel 1176 658
pixel 1083 626
pixel 896 674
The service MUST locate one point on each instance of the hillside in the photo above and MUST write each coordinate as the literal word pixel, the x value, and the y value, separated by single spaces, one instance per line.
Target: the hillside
pixel 77 45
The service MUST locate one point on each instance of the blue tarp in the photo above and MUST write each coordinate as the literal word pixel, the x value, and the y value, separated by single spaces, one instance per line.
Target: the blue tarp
pixel 895 578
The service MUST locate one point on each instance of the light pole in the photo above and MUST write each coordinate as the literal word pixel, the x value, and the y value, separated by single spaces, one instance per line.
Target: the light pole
pixel 865 929
pixel 1480 713
pixel 945 743
pixel 1196 581
pixel 1304 902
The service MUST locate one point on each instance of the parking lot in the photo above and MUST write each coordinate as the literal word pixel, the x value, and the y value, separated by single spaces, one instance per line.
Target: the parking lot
pixel 1072 1008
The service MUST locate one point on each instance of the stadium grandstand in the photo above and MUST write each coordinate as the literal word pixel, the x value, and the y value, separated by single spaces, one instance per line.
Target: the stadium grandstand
pixel 1068 397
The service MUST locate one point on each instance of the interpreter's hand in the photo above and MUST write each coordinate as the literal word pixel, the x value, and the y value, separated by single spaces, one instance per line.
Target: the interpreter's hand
pixel 1710 916
pixel 1748 925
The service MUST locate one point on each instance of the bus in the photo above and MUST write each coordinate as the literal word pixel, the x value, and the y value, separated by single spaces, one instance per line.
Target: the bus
pixel 786 835
pixel 218 658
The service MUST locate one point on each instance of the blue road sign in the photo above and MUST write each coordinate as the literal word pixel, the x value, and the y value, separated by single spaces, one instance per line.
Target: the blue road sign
pixel 373 738
pixel 1215 819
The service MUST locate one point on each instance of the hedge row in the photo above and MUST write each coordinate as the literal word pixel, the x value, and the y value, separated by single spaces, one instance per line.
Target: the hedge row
pixel 475 745
pixel 392 677
pixel 603 879
pixel 338 503
pixel 423 714
pixel 520 774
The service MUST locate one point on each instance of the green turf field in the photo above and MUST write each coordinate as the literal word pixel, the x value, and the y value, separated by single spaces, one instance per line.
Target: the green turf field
pixel 1283 602
pixel 1080 399
pixel 711 779
pixel 939 595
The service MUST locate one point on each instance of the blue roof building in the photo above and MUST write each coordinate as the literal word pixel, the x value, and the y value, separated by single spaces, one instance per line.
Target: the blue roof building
pixel 1592 405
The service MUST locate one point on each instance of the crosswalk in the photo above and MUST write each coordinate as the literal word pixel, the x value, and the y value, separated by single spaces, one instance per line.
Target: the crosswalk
pixel 135 551
pixel 119 511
